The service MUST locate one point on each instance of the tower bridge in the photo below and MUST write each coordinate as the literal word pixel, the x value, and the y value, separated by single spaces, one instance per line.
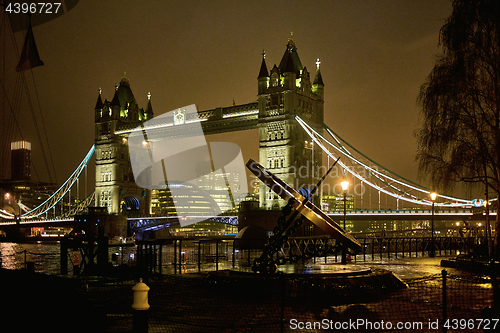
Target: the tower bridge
pixel 283 93
pixel 215 121
pixel 289 116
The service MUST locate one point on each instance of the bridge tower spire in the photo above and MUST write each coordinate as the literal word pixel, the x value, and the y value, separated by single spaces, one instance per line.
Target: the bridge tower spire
pixel 114 180
pixel 318 85
pixel 263 77
pixel 149 109
pixel 284 148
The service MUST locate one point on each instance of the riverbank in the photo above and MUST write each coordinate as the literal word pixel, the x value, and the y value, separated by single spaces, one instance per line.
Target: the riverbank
pixel 193 303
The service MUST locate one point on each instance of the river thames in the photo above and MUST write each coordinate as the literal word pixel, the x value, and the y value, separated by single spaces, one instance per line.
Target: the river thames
pixel 46 259
pixel 46 256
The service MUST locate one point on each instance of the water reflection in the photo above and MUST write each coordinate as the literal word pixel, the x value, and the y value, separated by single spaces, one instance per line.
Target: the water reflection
pixel 46 256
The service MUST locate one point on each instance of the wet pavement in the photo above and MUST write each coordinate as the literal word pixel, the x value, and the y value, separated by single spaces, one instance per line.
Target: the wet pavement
pixel 414 268
pixel 404 268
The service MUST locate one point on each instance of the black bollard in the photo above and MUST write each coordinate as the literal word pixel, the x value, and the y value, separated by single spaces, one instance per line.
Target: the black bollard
pixel 140 321
pixel 64 256
pixel 445 298
pixel 141 307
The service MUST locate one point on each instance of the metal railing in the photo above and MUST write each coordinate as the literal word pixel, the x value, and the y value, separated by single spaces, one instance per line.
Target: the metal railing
pixel 181 255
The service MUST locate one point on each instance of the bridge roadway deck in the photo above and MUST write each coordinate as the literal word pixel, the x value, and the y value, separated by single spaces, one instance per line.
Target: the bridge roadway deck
pixel 218 120
pixel 356 215
pixel 409 215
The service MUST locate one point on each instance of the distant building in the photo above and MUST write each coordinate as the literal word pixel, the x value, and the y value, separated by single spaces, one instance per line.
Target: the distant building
pixel 210 188
pixel 203 229
pixel 20 160
pixel 336 202
pixel 20 193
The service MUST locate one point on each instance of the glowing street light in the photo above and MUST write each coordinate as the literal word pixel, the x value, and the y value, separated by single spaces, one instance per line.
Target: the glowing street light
pixel 345 184
pixel 433 196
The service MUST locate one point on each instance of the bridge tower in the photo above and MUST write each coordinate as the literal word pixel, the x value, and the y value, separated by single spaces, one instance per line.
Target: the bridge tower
pixel 285 149
pixel 114 180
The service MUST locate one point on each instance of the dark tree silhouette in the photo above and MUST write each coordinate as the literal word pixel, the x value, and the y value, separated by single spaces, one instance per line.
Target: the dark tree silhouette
pixel 460 137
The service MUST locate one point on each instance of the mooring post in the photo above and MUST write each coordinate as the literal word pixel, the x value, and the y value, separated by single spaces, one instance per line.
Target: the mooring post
pixel 175 256
pixel 445 305
pixel 282 302
pixel 389 248
pixel 64 256
pixel 403 246
pixel 140 259
pixel 494 284
pixel 140 306
pixel 154 257
pixel 381 247
pixel 409 247
pixel 326 252
pixel 102 254
pixel 373 248
pixel 233 259
pixel 249 250
pixel 160 254
pixel 396 247
pixel 217 255
pixel 199 256
pixel 180 256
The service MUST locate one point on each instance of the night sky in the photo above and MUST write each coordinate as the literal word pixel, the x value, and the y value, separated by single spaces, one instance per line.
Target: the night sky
pixel 374 57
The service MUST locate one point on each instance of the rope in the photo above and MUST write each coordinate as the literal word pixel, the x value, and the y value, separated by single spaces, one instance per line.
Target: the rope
pixel 37 130
pixel 15 106
pixel 44 128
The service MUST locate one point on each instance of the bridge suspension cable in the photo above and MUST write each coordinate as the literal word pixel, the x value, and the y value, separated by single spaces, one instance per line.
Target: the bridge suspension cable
pixel 59 194
pixel 379 177
pixel 6 215
pixel 80 207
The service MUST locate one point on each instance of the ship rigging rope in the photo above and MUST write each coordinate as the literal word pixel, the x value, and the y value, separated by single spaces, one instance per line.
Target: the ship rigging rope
pixel 21 83
pixel 2 165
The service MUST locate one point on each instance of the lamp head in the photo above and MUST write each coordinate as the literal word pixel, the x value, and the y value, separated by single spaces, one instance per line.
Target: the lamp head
pixel 344 183
pixel 433 196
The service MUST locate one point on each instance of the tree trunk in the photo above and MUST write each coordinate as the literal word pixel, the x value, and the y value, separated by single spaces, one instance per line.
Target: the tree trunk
pixel 497 235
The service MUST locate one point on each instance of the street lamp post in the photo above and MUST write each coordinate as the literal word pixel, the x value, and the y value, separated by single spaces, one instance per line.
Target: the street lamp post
pixel 432 253
pixel 345 184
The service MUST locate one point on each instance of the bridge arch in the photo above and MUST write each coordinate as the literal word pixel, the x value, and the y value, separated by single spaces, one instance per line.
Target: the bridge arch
pixel 132 204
